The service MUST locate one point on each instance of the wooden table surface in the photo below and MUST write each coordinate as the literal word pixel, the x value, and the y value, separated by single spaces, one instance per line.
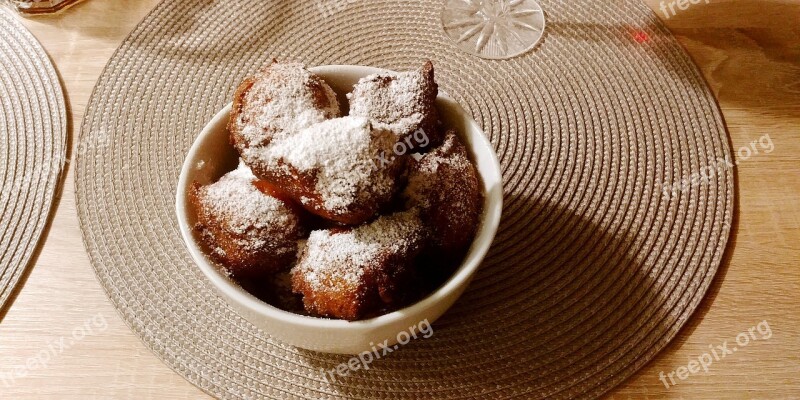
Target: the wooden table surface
pixel 749 51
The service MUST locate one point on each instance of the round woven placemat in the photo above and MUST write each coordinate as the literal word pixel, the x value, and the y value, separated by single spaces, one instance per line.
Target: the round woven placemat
pixel 593 270
pixel 33 134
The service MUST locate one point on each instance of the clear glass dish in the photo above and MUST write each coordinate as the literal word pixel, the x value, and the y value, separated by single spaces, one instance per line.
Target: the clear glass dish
pixel 493 29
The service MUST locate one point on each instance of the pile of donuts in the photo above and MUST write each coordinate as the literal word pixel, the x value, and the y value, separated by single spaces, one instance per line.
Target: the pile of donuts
pixel 362 211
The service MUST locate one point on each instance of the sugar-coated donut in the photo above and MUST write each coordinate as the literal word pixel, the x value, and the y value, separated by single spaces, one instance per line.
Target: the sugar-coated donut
pixel 404 103
pixel 349 273
pixel 278 101
pixel 248 229
pixel 445 187
pixel 340 169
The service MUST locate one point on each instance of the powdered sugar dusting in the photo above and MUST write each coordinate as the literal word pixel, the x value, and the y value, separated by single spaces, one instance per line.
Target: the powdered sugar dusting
pixel 247 212
pixel 396 102
pixel 342 257
pixel 342 153
pixel 425 175
pixel 284 99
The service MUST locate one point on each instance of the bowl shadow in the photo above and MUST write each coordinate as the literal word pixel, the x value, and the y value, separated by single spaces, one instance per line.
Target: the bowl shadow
pixel 561 307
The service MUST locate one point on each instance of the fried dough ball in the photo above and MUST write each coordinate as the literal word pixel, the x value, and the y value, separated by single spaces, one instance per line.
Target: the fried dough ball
pixel 279 101
pixel 248 229
pixel 445 187
pixel 404 103
pixel 350 273
pixel 341 169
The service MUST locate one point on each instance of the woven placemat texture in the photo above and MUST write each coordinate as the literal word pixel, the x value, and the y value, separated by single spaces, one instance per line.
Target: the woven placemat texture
pixel 592 272
pixel 33 135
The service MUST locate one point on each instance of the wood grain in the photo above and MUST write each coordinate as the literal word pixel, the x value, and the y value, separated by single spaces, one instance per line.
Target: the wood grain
pixel 748 50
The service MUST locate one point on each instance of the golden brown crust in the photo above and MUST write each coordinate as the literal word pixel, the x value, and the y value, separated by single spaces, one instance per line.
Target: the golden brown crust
pixel 445 186
pixel 234 126
pixel 300 187
pixel 430 124
pixel 404 103
pixel 351 273
pixel 303 157
pixel 333 169
pixel 381 287
pixel 249 250
pixel 277 101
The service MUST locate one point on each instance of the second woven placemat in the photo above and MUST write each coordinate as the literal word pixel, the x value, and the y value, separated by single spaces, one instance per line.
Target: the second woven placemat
pixel 33 137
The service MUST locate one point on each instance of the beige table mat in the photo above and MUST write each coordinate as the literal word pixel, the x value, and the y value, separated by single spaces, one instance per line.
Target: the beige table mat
pixel 593 271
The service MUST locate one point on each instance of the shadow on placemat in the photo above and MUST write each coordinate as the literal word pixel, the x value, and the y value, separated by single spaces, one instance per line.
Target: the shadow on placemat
pixel 564 317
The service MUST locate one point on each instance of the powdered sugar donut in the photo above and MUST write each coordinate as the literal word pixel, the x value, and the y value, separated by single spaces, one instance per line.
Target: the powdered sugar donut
pixel 404 103
pixel 341 169
pixel 249 229
pixel 444 186
pixel 280 100
pixel 348 273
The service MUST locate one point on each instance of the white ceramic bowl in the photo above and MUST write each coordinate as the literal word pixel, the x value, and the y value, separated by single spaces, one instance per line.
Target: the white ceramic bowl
pixel 211 156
